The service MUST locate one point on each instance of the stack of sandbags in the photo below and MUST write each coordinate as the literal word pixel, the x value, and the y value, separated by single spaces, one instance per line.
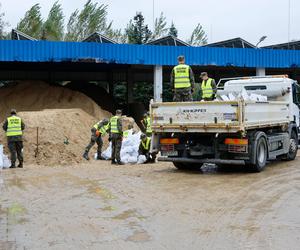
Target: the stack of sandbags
pixel 129 150
pixel 243 96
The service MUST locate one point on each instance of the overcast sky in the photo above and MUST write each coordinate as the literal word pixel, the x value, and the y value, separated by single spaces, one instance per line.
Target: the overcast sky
pixel 221 19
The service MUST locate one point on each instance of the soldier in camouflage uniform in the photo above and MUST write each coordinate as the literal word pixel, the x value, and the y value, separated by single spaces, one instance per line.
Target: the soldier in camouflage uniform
pixel 116 136
pixel 97 131
pixel 183 82
pixel 14 126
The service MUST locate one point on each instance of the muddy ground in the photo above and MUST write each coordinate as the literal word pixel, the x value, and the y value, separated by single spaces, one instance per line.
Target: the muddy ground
pixel 98 206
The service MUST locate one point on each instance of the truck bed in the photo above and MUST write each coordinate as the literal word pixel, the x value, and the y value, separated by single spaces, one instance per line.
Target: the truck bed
pixel 217 116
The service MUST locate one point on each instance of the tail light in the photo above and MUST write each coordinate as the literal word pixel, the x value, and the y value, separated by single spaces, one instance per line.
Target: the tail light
pixel 169 141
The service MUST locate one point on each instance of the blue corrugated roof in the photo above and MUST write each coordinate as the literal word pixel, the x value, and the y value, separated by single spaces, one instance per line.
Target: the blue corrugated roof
pixel 44 51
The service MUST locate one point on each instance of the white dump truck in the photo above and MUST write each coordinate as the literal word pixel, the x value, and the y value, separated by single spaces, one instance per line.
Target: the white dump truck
pixel 246 131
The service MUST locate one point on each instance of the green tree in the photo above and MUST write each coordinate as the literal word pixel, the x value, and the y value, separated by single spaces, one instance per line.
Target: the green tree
pixel 3 24
pixel 198 36
pixel 53 28
pixel 143 93
pixel 92 18
pixel 172 30
pixel 117 35
pixel 31 24
pixel 160 28
pixel 137 32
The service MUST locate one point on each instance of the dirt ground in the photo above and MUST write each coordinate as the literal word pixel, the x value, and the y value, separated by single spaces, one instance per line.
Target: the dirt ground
pixel 99 206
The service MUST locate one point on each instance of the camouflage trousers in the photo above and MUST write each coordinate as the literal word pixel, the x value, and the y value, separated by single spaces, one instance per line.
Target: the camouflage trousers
pixel 116 145
pixel 15 148
pixel 183 95
pixel 95 139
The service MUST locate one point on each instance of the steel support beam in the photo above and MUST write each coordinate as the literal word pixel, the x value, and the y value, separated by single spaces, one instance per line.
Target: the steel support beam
pixel 260 71
pixel 158 83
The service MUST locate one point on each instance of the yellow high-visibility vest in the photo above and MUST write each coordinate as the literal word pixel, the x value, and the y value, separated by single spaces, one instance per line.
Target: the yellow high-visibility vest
pixel 148 128
pixel 146 144
pixel 207 91
pixel 114 125
pixel 182 76
pixel 14 126
pixel 101 129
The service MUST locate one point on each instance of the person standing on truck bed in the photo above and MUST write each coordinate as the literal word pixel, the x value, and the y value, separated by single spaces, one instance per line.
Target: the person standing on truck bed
pixel 183 82
pixel 208 87
pixel 14 126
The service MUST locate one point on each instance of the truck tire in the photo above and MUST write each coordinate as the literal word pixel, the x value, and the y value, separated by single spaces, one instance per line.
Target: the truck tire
pixel 291 155
pixel 186 166
pixel 260 149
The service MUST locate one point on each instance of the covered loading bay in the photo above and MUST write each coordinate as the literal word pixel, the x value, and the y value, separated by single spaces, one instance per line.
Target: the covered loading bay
pixel 74 65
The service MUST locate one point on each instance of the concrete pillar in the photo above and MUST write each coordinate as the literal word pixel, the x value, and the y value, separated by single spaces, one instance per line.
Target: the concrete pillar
pixel 260 71
pixel 158 83
pixel 130 83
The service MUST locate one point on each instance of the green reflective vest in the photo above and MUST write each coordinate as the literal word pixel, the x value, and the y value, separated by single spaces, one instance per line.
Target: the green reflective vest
pixel 101 129
pixel 146 144
pixel 148 127
pixel 182 76
pixel 114 125
pixel 207 91
pixel 14 126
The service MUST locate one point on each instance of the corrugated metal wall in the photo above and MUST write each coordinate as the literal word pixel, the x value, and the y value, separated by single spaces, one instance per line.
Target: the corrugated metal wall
pixel 43 51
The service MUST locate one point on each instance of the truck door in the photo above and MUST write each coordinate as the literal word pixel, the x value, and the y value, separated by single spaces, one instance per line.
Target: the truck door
pixel 296 101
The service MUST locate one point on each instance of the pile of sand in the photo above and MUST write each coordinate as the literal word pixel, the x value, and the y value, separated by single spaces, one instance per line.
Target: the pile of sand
pixel 60 115
pixel 52 129
pixel 36 96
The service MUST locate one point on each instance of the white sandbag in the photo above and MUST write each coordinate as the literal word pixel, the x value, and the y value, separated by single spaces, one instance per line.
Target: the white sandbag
pixel 1 156
pixel 129 150
pixel 232 97
pixel 141 159
pixel 244 95
pixel 107 153
pixel 132 159
pixel 4 161
pixel 225 98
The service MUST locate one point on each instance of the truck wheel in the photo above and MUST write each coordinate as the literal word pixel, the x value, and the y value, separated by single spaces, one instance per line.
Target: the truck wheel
pixel 291 155
pixel 261 153
pixel 187 166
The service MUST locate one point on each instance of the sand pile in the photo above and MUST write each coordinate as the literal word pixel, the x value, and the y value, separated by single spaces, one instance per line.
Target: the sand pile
pixel 60 114
pixel 36 96
pixel 55 126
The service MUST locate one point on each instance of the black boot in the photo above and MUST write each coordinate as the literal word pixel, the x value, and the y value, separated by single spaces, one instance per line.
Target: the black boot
pixel 120 163
pixel 113 162
pixel 20 165
pixel 13 165
pixel 86 155
pixel 99 157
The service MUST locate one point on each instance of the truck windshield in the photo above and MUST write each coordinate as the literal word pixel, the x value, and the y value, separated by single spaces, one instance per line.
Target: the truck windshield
pixel 296 93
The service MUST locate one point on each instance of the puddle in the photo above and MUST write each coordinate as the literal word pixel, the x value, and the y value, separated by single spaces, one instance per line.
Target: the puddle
pixel 139 236
pixel 108 208
pixel 131 213
pixel 16 182
pixel 103 192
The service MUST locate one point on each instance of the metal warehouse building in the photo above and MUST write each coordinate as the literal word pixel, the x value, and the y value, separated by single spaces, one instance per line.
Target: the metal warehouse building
pixel 101 59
